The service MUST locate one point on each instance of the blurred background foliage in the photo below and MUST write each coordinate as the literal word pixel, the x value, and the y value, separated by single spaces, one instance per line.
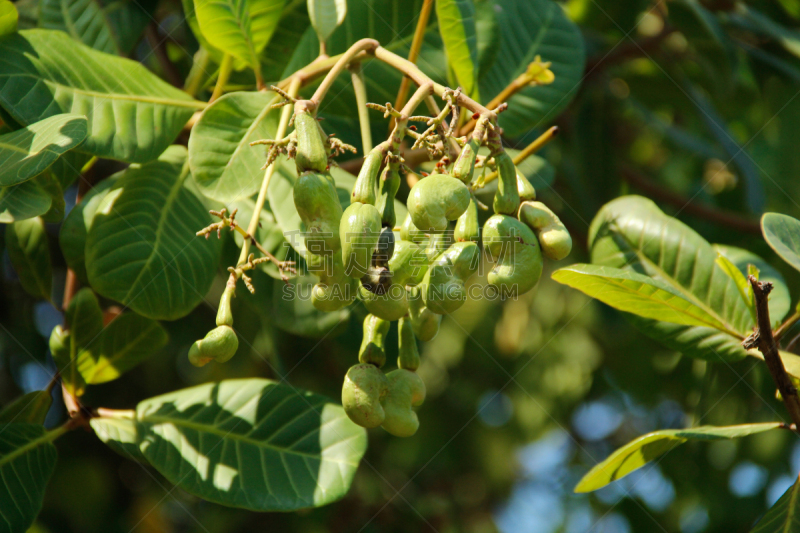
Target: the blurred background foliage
pixel 693 104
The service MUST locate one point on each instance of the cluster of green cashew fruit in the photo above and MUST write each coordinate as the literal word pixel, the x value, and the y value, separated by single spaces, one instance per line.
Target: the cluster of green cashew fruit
pixel 414 275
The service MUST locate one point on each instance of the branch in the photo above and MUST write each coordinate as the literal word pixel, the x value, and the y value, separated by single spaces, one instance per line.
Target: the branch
pixel 762 339
pixel 712 214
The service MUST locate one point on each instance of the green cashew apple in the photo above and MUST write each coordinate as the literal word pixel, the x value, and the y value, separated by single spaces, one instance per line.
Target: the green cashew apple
pixel 364 387
pixel 384 250
pixel 553 236
pixel 391 305
pixel 443 289
pixel 408 354
pixel 467 226
pixel 388 186
pixel 515 249
pixel 359 230
pixel 373 341
pixel 224 314
pixel 438 243
pixel 435 200
pixel 320 211
pixel 464 167
pixel 424 321
pixel 219 345
pixel 312 150
pixel 365 186
pixel 335 290
pixel 408 264
pixel 524 188
pixel 409 232
pixel 506 200
pixel 406 391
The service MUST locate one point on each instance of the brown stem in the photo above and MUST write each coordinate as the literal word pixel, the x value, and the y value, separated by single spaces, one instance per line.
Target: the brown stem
pixel 413 54
pixel 762 339
pixel 157 44
pixel 683 203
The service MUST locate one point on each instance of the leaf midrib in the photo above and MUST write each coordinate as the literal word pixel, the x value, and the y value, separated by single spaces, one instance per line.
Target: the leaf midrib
pixel 151 419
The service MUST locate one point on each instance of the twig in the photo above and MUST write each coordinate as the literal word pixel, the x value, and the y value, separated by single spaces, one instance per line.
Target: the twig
pixel 762 339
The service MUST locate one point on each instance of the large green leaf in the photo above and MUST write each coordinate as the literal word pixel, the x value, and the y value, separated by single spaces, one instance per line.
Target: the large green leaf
pixel 26 242
pixel 162 270
pixel 241 28
pixel 23 201
pixel 457 28
pixel 113 27
pixel 529 28
pixel 782 233
pixel 326 15
pixel 133 115
pixel 76 226
pixel 635 293
pixel 784 516
pixel 252 443
pixel 644 449
pixel 30 408
pixel 120 434
pixel 224 165
pixel 27 152
pixel 27 460
pixel 124 343
pixel 632 233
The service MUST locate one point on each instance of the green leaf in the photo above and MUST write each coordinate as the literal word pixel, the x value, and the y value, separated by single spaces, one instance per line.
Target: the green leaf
pixel 84 320
pixel 635 293
pixel 8 18
pixel 782 233
pixel 224 165
pixel 784 516
pixel 72 237
pixel 113 27
pixel 27 460
pixel 29 251
pixel 28 152
pixel 632 233
pixel 29 408
pixel 120 434
pixel 163 270
pixel 52 187
pixel 252 443
pixel 644 449
pixel 23 201
pixel 326 16
pixel 124 343
pixel 241 28
pixel 133 115
pixel 530 28
pixel 745 290
pixel 457 28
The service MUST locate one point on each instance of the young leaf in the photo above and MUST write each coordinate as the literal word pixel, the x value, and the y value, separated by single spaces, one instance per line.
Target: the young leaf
pixel 530 28
pixel 784 516
pixel 124 343
pixel 132 114
pixel 120 434
pixel 8 17
pixel 326 16
pixel 84 325
pixel 745 290
pixel 162 270
pixel 29 251
pixel 632 233
pixel 252 443
pixel 23 201
pixel 112 27
pixel 27 460
pixel 457 28
pixel 782 233
pixel 29 408
pixel 240 28
pixel 224 165
pixel 644 449
pixel 634 293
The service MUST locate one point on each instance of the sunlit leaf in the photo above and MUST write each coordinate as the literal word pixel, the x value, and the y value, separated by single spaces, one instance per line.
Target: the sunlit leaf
pixel 644 449
pixel 84 325
pixel 252 443
pixel 782 233
pixel 132 114
pixel 23 201
pixel 120 434
pixel 784 516
pixel 163 269
pixel 457 28
pixel 26 242
pixel 635 293
pixel 27 460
